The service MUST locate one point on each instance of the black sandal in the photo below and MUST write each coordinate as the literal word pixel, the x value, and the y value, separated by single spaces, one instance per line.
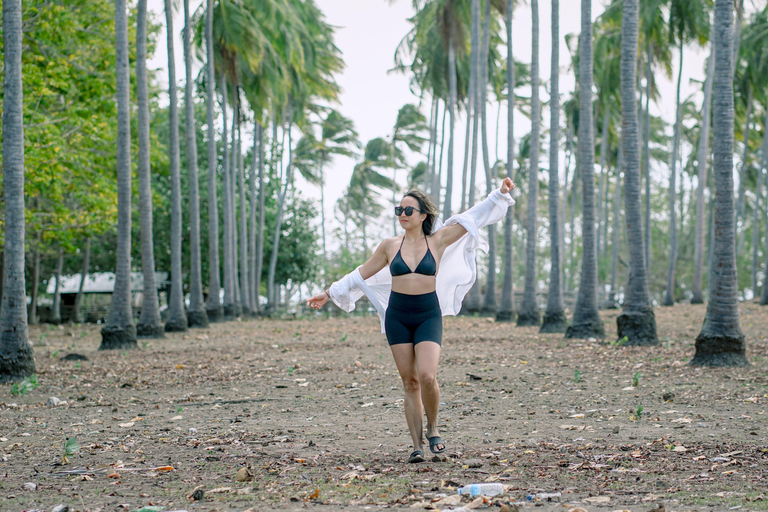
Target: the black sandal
pixel 434 441
pixel 416 456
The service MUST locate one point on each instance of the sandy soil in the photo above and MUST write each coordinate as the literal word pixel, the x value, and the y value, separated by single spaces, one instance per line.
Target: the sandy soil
pixel 310 413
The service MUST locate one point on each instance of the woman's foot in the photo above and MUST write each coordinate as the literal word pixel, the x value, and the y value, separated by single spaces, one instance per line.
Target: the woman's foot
pixel 436 444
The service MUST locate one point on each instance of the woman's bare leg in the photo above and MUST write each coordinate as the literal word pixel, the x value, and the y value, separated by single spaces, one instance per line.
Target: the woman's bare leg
pixel 405 359
pixel 427 356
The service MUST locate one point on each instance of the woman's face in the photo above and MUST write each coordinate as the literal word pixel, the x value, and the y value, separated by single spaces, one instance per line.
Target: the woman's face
pixel 416 219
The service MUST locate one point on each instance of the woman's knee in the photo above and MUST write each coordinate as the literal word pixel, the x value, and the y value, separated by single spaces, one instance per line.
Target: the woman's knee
pixel 427 379
pixel 411 384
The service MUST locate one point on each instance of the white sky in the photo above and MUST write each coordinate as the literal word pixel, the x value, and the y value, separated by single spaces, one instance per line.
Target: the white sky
pixel 368 31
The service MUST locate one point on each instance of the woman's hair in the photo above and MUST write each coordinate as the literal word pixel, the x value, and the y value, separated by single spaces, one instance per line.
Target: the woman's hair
pixel 427 206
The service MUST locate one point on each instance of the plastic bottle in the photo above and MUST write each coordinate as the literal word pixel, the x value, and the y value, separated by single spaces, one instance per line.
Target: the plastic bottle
pixel 482 489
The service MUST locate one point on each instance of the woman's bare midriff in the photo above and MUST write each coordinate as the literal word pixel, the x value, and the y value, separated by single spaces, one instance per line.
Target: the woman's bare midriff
pixel 413 284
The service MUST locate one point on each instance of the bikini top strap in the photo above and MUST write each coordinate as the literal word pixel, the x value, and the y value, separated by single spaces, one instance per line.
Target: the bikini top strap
pixel 401 243
pixel 426 239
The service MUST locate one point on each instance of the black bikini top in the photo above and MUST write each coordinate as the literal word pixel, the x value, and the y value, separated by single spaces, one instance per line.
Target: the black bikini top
pixel 427 266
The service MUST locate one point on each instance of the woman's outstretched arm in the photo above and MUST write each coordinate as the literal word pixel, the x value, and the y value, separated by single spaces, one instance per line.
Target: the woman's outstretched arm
pixel 375 263
pixel 450 234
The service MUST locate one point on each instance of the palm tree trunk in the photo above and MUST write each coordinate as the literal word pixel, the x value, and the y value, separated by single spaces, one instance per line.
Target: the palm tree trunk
pixel 56 311
pixel 529 309
pixel 119 331
pixel 755 220
pixel 489 301
pixel 602 211
pixel 507 306
pixel 433 116
pixel 452 95
pixel 669 294
pixel 272 300
pixel 230 312
pixel 437 178
pixel 2 274
pixel 701 158
pixel 18 360
pixel 196 315
pixel 721 342
pixel 260 234
pixel 234 163
pixel 637 321
pixel 149 324
pixel 432 178
pixel 647 153
pixel 177 318
pixel 253 288
pixel 245 296
pixel 467 149
pixel 213 306
pixel 586 321
pixel 611 302
pixel 33 318
pixel 742 175
pixel 572 226
pixel 77 314
pixel 554 316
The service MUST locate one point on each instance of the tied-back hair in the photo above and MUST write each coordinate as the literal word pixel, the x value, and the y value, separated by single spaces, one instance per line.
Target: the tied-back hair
pixel 427 206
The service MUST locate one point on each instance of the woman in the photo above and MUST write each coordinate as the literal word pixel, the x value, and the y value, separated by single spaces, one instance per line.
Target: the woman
pixel 418 296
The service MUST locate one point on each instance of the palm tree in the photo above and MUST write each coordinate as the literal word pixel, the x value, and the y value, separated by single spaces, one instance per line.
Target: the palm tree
pixel 119 332
pixel 213 306
pixel 721 342
pixel 177 318
pixel 149 324
pixel 636 322
pixel 529 309
pixel 18 360
pixel 77 314
pixel 586 321
pixel 701 162
pixel 554 316
pixel 245 281
pixel 196 314
pixel 507 304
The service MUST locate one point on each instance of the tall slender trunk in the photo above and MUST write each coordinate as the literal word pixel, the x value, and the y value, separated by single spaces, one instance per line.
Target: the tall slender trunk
pixel 473 298
pixel 743 174
pixel 260 232
pixel 433 171
pixel 234 163
pixel 56 311
pixel 602 212
pixel 433 116
pixel 272 300
pixel 213 306
pixel 119 331
pixel 647 155
pixel 554 316
pixel 701 158
pixel 77 313
pixel 611 302
pixel 452 95
pixel 33 318
pixel 177 318
pixel 230 312
pixel 437 178
pixel 18 361
pixel 149 324
pixel 253 288
pixel 637 321
pixel 467 149
pixel 322 203
pixel 245 296
pixel 196 315
pixel 721 342
pixel 586 322
pixel 2 274
pixel 669 294
pixel 572 226
pixel 507 306
pixel 529 309
pixel 489 302
pixel 756 215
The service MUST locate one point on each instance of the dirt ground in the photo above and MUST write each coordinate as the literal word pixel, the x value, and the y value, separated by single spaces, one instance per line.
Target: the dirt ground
pixel 310 413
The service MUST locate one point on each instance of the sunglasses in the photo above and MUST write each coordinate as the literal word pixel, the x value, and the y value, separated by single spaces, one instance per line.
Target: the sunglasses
pixel 408 210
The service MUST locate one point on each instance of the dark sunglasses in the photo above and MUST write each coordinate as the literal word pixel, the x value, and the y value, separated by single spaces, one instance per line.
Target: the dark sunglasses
pixel 408 210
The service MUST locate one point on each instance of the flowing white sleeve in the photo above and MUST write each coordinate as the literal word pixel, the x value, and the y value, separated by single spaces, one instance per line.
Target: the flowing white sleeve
pixel 347 290
pixel 458 269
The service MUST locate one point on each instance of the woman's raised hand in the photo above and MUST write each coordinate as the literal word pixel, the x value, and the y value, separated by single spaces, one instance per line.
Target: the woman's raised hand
pixel 506 185
pixel 318 300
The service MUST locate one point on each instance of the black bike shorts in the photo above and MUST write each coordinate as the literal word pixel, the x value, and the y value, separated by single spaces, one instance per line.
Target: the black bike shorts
pixel 413 319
